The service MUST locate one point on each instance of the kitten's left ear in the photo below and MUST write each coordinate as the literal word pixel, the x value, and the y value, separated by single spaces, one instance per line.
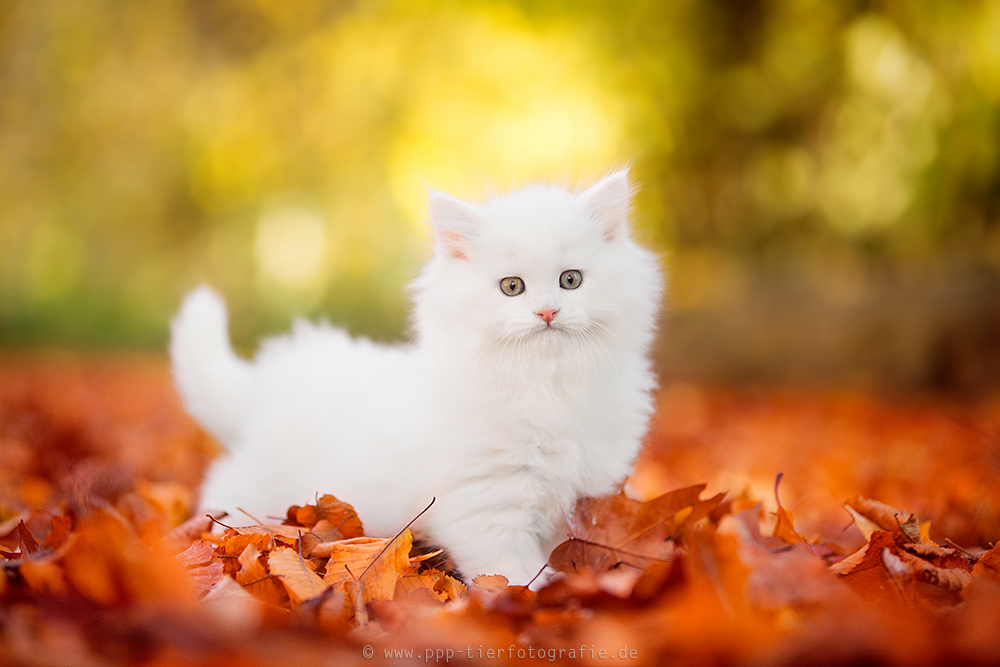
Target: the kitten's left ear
pixel 608 202
pixel 455 224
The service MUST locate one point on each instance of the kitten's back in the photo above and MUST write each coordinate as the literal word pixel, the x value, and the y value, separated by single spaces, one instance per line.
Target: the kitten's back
pixel 329 413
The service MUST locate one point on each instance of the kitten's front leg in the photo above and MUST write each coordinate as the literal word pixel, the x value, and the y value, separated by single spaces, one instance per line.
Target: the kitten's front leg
pixel 481 544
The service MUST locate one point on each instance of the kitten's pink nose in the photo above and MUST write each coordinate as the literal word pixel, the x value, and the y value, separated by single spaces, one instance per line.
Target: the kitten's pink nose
pixel 547 314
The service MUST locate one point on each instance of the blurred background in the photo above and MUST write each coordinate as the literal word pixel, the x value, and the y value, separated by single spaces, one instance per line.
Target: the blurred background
pixel 821 178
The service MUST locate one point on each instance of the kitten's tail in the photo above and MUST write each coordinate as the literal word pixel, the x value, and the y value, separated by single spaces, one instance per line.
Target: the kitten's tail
pixel 213 382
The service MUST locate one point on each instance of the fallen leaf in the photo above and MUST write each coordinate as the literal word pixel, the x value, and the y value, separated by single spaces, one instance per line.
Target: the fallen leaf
pixel 296 575
pixel 616 530
pixel 199 553
pixel 203 567
pixel 988 563
pixel 441 586
pixel 59 532
pixel 334 513
pixel 885 517
pixel 192 529
pixel 27 544
pixel 253 575
pixel 867 557
pixel 378 563
pixel 231 604
pixel 286 534
pixel 953 579
pixel 491 583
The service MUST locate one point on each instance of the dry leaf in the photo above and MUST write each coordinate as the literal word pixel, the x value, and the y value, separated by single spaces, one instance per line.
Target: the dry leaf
pixel 885 517
pixel 331 512
pixel 199 553
pixel 441 586
pixel 205 570
pixel 491 583
pixel 191 529
pixel 287 534
pixel 296 575
pixel 953 579
pixel 231 604
pixel 98 577
pixel 989 562
pixel 377 562
pixel 608 532
pixel 27 544
pixel 253 575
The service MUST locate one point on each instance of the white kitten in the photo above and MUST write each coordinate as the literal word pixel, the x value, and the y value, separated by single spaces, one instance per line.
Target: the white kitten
pixel 528 385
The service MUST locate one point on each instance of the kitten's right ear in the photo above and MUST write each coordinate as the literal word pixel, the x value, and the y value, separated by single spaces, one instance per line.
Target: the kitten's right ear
pixel 455 224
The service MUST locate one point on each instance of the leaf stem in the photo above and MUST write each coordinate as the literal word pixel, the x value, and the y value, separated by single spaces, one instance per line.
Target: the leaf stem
pixel 390 542
pixel 633 554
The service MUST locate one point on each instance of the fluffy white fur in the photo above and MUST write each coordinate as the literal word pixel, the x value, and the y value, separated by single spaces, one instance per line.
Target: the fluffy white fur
pixel 506 421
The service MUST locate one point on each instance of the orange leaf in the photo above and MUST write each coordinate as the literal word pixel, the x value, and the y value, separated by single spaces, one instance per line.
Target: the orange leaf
pixel 784 528
pixel 953 579
pixel 26 542
pixel 883 516
pixel 191 529
pixel 263 537
pixel 616 529
pixel 296 575
pixel 205 570
pixel 199 553
pixel 60 532
pixel 439 584
pixel 253 576
pixel 341 515
pixel 989 562
pixel 234 605
pixel 337 514
pixel 491 583
pixel 287 534
pixel 866 557
pixel 377 563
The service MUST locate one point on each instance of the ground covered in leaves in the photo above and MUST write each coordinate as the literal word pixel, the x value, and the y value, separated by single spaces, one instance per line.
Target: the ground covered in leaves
pixel 776 528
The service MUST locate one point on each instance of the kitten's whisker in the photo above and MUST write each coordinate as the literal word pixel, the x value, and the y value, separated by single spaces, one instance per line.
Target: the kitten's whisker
pixel 604 327
pixel 486 348
pixel 611 311
pixel 606 358
pixel 580 348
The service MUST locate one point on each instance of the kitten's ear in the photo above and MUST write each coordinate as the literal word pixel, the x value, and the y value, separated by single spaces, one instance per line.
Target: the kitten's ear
pixel 455 223
pixel 607 203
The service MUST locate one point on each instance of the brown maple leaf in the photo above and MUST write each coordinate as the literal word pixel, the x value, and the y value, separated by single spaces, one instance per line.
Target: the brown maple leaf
pixel 615 530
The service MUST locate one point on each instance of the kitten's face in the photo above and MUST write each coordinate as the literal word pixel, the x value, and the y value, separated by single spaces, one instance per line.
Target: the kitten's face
pixel 541 266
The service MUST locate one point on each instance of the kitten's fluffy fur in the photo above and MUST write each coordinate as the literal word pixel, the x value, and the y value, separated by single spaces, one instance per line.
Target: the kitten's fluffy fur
pixel 506 420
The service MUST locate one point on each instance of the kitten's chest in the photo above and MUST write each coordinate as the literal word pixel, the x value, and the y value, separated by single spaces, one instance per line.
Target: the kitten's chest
pixel 543 423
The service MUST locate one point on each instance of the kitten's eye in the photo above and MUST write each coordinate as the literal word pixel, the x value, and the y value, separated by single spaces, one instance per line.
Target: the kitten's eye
pixel 570 279
pixel 512 286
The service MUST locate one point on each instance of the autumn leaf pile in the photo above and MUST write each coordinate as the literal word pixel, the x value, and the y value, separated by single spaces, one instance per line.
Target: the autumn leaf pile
pixel 779 528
